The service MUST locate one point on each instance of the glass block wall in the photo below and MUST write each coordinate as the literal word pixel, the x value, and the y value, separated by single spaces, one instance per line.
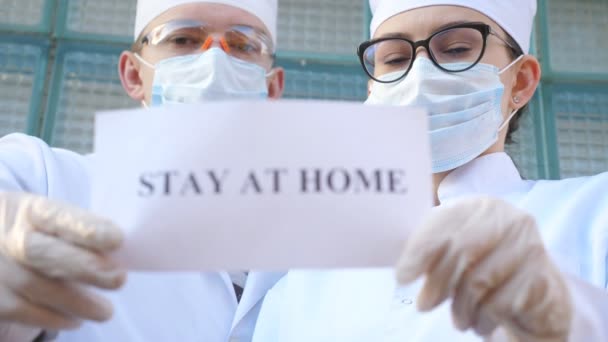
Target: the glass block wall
pixel 58 62
pixel 566 134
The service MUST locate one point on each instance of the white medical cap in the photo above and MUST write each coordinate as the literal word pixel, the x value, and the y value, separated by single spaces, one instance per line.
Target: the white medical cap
pixel 516 17
pixel 265 10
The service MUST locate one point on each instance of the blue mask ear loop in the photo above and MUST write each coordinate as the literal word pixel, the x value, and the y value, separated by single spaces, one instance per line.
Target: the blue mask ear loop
pixel 506 122
pixel 269 74
pixel 510 65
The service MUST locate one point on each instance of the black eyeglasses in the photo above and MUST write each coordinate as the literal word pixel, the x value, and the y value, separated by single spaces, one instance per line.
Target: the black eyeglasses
pixel 453 49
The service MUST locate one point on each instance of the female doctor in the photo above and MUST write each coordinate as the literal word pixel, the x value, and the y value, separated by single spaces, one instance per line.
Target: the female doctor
pixel 499 257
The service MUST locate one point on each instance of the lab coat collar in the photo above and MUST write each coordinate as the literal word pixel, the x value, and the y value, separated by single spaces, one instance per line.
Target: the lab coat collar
pixel 493 174
pixel 258 283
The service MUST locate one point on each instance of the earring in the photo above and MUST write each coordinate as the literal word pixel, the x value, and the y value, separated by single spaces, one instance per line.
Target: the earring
pixel 516 100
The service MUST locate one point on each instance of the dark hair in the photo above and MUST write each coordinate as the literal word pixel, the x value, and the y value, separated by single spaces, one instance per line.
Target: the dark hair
pixel 515 52
pixel 138 43
pixel 136 47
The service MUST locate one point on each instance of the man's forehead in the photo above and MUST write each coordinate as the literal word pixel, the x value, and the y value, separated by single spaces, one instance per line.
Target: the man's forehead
pixel 260 14
pixel 213 15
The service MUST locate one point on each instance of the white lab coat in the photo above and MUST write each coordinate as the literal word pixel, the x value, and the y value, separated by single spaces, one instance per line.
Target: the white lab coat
pixel 363 305
pixel 151 307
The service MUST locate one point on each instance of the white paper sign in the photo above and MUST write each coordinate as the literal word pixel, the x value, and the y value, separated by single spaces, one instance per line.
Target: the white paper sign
pixel 262 185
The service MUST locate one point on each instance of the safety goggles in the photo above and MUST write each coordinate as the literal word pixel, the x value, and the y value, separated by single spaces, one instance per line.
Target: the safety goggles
pixel 185 37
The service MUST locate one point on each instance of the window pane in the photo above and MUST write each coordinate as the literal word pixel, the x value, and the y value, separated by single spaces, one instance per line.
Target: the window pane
pixel 319 81
pixel 582 129
pixel 20 69
pixel 320 26
pixel 577 35
pixel 88 83
pixel 109 18
pixel 23 13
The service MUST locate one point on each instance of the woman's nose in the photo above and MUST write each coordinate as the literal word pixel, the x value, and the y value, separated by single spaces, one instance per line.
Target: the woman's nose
pixel 422 52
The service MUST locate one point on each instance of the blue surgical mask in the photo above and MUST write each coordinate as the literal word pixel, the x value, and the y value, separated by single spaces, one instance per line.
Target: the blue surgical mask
pixel 209 76
pixel 464 108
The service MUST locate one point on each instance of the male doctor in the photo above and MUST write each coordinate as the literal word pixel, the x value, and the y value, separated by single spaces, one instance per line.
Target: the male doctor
pixel 184 51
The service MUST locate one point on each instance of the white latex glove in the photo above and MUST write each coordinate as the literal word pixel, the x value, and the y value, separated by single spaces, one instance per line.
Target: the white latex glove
pixel 488 257
pixel 48 251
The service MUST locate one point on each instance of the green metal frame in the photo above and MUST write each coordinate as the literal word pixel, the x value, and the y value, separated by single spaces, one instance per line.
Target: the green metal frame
pixel 551 89
pixel 542 107
pixel 34 115
pixel 551 75
pixel 63 48
pixel 43 27
pixel 322 67
pixel 546 136
pixel 539 119
pixel 317 57
pixel 326 65
pixel 537 109
pixel 62 31
pixel 552 80
pixel 550 136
